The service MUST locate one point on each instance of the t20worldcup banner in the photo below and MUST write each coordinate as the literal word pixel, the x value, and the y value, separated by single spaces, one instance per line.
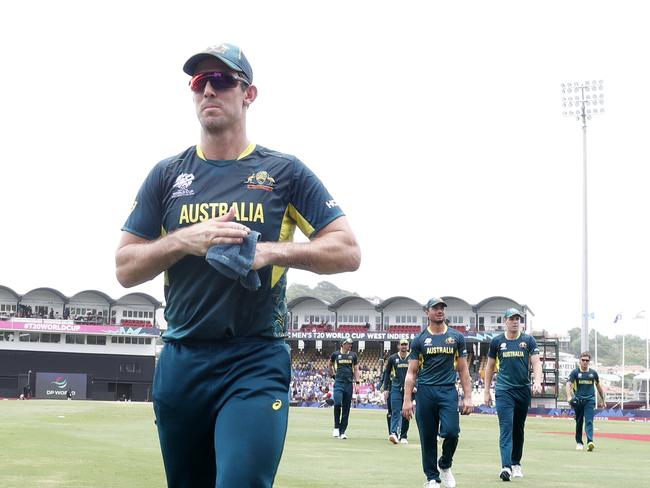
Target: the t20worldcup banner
pixel 61 385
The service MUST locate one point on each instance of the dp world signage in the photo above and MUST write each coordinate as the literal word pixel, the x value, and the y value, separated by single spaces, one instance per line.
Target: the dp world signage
pixel 57 385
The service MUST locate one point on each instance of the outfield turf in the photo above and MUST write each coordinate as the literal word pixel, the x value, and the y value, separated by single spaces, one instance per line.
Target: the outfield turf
pixel 54 443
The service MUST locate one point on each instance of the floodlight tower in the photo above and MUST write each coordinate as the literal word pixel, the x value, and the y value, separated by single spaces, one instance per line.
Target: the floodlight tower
pixel 582 101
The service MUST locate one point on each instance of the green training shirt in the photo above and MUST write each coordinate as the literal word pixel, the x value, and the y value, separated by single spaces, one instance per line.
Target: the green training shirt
pixel 512 359
pixel 584 383
pixel 273 193
pixel 438 355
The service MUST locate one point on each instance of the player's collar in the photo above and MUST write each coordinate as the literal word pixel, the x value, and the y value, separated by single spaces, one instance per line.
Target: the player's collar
pixel 437 333
pixel 249 149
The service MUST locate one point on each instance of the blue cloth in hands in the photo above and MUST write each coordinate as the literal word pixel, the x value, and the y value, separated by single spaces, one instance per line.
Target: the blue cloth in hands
pixel 235 260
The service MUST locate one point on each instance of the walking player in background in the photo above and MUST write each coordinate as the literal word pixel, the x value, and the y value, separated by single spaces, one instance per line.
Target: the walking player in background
pixel 437 353
pixel 344 368
pixel 581 395
pixel 218 219
pixel 511 354
pixel 393 387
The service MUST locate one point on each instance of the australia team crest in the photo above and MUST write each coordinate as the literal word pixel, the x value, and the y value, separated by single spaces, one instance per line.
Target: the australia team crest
pixel 260 180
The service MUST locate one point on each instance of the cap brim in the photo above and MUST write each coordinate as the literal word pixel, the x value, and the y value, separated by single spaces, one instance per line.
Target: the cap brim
pixel 190 65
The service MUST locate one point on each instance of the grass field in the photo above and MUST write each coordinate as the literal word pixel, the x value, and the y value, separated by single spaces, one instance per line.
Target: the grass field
pixel 100 444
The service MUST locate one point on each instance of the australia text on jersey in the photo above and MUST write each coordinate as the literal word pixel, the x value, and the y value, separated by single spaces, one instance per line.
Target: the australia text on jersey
pixel 199 212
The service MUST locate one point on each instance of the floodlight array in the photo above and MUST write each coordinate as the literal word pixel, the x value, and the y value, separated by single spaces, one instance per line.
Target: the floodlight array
pixel 583 99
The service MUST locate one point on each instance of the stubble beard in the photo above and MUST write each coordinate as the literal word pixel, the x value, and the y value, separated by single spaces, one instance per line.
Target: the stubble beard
pixel 212 126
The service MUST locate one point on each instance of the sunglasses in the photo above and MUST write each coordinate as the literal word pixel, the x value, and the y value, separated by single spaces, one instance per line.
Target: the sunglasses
pixel 586 360
pixel 218 81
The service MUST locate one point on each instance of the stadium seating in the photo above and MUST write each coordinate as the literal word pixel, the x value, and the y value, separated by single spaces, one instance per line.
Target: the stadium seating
pixel 136 323
pixel 404 329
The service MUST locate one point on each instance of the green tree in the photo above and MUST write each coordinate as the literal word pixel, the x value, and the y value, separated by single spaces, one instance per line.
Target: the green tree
pixel 610 351
pixel 324 290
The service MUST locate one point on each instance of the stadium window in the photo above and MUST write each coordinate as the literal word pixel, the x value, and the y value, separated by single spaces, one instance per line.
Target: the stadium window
pixel 80 339
pixel 499 319
pixel 120 340
pixel 472 321
pixel 24 337
pixel 148 340
pixel 493 319
pixel 123 313
pixel 114 340
pixel 69 339
pixel 127 340
pixel 140 314
pixel 52 338
pixel 481 321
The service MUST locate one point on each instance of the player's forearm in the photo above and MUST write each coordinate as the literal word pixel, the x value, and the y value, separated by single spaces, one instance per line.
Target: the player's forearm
pixel 537 372
pixel 336 252
pixel 569 391
pixel 409 383
pixel 139 262
pixel 466 382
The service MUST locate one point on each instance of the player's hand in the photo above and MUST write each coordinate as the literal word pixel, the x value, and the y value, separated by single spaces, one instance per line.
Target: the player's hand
pixel 487 398
pixel 196 239
pixel 408 409
pixel 468 407
pixel 537 387
pixel 386 392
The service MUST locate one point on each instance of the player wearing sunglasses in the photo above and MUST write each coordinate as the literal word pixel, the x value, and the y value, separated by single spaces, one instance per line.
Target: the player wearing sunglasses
pixel 581 396
pixel 221 388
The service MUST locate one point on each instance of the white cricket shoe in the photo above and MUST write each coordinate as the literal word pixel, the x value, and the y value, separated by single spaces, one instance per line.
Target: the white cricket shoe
pixel 591 446
pixel 431 484
pixel 517 471
pixel 344 436
pixel 393 439
pixel 403 440
pixel 335 433
pixel 506 474
pixel 579 447
pixel 447 477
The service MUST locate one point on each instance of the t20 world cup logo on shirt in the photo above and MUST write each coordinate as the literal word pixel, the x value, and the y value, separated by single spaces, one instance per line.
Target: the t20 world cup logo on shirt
pixel 182 183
